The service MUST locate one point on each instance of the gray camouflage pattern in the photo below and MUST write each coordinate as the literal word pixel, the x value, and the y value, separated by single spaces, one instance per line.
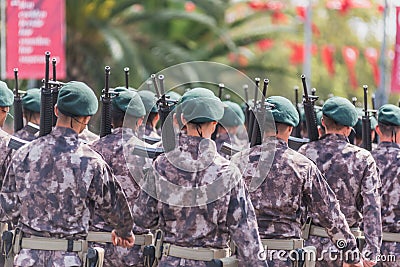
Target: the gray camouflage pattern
pixel 352 174
pixel 292 185
pixel 207 225
pixel 88 137
pixel 25 134
pixel 5 157
pixel 64 177
pixel 387 157
pixel 111 148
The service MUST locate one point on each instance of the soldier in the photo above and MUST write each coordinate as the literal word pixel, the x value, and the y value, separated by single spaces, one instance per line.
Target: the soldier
pixel 6 101
pixel 149 100
pixel 31 110
pixel 196 225
pixel 358 129
pixel 387 156
pixel 292 185
pixel 111 148
pixel 55 183
pixel 229 124
pixel 352 174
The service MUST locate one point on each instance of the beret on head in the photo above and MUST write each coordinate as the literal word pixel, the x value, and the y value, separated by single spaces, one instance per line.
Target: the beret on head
pixel 130 102
pixel 123 89
pixel 341 110
pixel 31 100
pixel 201 105
pixel 6 95
pixel 233 115
pixel 389 114
pixel 149 100
pixel 77 99
pixel 283 111
pixel 173 95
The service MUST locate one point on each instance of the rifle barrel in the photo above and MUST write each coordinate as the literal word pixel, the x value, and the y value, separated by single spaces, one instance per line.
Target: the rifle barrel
pixel 365 87
pixel 54 62
pixel 16 81
pixel 161 80
pixel 153 78
pixel 47 73
pixel 126 69
pixel 246 93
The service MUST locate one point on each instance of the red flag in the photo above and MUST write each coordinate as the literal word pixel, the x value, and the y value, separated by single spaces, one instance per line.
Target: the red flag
pixel 297 56
pixel 371 54
pixel 344 5
pixel 359 3
pixel 301 12
pixel 328 58
pixel 265 44
pixel 190 6
pixel 395 86
pixel 279 17
pixel 350 55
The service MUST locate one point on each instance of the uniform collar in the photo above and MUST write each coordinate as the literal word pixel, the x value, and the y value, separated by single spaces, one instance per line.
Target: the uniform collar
pixel 389 144
pixel 64 132
pixel 196 146
pixel 335 137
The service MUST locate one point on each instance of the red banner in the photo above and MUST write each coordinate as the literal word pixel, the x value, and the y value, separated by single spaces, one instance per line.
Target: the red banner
pixel 372 55
pixel 327 55
pixel 350 55
pixel 395 86
pixel 34 27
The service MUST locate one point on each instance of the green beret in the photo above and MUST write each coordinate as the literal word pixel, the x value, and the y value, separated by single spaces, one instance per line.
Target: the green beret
pixel 341 110
pixel 6 95
pixel 77 99
pixel 31 100
pixel 149 100
pixel 233 115
pixel 173 95
pixel 389 114
pixel 283 111
pixel 130 102
pixel 201 105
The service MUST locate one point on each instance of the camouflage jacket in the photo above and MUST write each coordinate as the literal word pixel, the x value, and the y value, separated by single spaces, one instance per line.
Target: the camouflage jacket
pixel 201 200
pixel 68 180
pixel 5 157
pixel 88 137
pixel 352 174
pixel 288 184
pixel 26 133
pixel 151 131
pixel 387 157
pixel 111 147
pixel 231 139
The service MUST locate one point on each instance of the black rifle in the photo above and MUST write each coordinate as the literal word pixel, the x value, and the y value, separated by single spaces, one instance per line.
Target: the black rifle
pixel 55 88
pixel 220 90
pixel 247 111
pixel 258 125
pixel 366 123
pixel 126 77
pixel 373 101
pixel 228 149
pixel 308 104
pixel 354 100
pixel 352 134
pixel 105 123
pixel 18 117
pixel 46 106
pixel 252 115
pixel 297 130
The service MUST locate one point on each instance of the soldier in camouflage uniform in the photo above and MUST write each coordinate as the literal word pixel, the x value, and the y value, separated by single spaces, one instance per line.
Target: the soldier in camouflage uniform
pixel 352 174
pixel 199 219
pixel 31 109
pixel 55 183
pixel 290 184
pixel 387 156
pixel 149 100
pixel 6 100
pixel 111 148
pixel 229 124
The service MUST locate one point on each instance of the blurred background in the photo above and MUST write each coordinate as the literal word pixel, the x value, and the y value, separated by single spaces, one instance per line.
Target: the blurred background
pixel 339 44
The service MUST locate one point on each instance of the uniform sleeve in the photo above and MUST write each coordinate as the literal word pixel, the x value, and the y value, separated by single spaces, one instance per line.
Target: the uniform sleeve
pixel 110 201
pixel 243 227
pixel 322 203
pixel 9 201
pixel 145 209
pixel 372 221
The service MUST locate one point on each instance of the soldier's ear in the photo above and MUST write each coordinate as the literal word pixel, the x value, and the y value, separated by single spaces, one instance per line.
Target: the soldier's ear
pixel 56 110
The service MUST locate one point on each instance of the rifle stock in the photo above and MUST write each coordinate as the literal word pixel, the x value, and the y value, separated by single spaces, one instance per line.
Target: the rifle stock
pixel 18 117
pixel 105 123
pixel 311 120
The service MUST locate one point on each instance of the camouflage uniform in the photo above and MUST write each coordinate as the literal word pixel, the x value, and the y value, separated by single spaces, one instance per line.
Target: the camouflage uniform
pixel 25 134
pixel 292 184
pixel 206 225
pixel 231 139
pixel 58 174
pixel 5 157
pixel 111 148
pixel 387 159
pixel 151 131
pixel 88 137
pixel 352 174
